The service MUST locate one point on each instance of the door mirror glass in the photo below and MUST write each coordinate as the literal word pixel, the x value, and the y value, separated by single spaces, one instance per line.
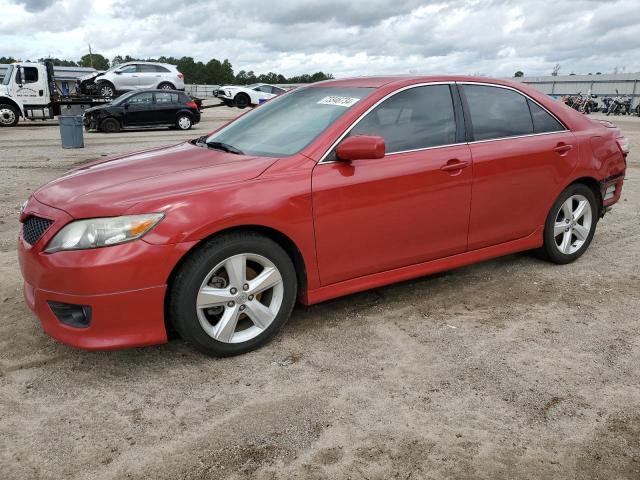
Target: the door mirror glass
pixel 360 147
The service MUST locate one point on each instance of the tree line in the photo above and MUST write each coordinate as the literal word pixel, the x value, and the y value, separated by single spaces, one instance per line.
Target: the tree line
pixel 214 72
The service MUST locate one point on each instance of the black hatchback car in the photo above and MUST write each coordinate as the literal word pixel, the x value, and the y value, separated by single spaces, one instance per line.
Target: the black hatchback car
pixel 144 108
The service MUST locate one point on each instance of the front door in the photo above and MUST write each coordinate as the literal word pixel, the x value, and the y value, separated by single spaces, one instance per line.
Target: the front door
pixel 30 86
pixel 128 78
pixel 410 206
pixel 521 155
pixel 140 110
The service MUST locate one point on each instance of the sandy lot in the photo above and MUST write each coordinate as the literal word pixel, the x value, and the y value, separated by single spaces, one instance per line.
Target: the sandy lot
pixel 513 368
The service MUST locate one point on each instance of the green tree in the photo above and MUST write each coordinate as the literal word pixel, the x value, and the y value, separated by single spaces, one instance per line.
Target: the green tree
pixel 519 73
pixel 7 60
pixel 227 73
pixel 94 60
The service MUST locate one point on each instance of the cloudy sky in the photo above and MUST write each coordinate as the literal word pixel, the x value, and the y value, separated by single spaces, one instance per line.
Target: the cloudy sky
pixel 356 37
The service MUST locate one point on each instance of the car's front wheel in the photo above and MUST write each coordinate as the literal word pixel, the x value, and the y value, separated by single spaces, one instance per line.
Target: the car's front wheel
pixel 571 224
pixel 110 125
pixel 107 90
pixel 242 100
pixel 232 294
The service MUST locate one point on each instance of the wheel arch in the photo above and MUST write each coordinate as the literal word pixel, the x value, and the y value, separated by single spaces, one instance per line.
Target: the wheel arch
pixel 10 101
pixel 594 185
pixel 287 244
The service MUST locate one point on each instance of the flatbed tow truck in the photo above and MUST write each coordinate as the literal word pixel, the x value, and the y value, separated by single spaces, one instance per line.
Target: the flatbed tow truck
pixel 29 91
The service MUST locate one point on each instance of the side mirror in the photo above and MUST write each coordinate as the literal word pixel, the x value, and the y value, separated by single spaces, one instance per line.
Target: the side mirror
pixel 360 147
pixel 117 72
pixel 19 80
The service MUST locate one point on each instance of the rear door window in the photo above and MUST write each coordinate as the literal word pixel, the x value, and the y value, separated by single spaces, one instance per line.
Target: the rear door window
pixel 145 98
pixel 497 112
pixel 416 118
pixel 543 122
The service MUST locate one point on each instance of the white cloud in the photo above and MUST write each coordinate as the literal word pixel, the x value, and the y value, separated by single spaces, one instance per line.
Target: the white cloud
pixel 354 37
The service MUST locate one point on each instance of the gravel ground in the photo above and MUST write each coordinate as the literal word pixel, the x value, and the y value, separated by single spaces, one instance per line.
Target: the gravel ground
pixel 513 368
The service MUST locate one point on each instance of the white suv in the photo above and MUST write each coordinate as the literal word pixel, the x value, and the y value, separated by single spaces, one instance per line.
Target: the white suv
pixel 133 76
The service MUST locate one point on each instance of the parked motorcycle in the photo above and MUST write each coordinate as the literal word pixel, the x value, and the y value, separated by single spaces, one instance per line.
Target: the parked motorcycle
pixel 620 105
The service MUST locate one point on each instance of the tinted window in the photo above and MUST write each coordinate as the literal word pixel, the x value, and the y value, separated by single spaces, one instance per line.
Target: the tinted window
pixel 263 88
pixel 147 68
pixel 497 112
pixel 277 90
pixel 160 68
pixel 416 118
pixel 542 121
pixel 30 74
pixel 141 98
pixel 165 97
pixel 129 69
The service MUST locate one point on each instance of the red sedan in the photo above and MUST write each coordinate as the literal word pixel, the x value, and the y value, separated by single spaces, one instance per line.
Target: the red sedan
pixel 327 190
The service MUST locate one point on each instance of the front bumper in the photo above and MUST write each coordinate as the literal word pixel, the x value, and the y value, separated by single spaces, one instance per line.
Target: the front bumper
pixel 124 286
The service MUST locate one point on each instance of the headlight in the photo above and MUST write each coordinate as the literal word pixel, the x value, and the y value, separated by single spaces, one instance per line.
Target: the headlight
pixel 102 232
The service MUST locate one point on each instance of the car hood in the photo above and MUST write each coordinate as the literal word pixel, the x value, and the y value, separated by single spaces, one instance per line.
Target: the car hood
pixel 98 108
pixel 112 186
pixel 90 76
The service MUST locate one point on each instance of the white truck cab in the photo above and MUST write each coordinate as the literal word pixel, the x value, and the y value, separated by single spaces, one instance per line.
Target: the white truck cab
pixel 28 90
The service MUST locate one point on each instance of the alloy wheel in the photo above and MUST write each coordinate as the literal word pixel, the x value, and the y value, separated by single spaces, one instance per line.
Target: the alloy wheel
pixel 239 298
pixel 573 224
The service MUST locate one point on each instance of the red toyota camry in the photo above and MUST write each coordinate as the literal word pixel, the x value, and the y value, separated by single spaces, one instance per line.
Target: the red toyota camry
pixel 330 189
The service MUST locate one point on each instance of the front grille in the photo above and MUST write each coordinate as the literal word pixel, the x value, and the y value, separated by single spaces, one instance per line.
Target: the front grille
pixel 33 228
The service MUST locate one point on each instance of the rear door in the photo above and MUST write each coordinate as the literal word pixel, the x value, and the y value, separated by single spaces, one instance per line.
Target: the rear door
pixel 167 106
pixel 521 155
pixel 410 206
pixel 150 76
pixel 141 110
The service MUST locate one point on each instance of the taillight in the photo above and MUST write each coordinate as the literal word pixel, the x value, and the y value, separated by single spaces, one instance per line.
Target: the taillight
pixel 623 143
pixel 192 104
pixel 180 76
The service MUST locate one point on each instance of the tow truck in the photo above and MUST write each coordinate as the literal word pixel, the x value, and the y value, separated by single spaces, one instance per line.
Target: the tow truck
pixel 29 91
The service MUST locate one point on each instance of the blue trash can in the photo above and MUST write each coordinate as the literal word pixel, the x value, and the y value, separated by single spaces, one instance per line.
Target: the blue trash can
pixel 71 131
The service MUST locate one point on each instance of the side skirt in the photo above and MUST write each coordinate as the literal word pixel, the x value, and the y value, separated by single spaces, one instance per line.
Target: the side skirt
pixel 388 277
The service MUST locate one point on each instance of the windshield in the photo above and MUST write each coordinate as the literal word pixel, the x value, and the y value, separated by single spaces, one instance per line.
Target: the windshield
pixel 285 125
pixel 7 75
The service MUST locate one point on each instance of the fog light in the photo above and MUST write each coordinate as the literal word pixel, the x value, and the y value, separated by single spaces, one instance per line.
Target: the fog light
pixel 610 192
pixel 77 316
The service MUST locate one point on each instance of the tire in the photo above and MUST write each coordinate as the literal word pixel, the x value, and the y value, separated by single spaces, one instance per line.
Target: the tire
pixel 110 125
pixel 166 86
pixel 184 122
pixel 242 100
pixel 201 324
pixel 106 89
pixel 567 232
pixel 8 115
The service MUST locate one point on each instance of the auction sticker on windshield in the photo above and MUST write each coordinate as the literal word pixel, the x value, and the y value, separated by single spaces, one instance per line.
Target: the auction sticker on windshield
pixel 339 101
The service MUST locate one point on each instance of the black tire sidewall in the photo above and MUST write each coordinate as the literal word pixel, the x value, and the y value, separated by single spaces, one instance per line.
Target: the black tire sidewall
pixel 107 121
pixel 15 114
pixel 549 246
pixel 162 84
pixel 246 100
pixel 184 290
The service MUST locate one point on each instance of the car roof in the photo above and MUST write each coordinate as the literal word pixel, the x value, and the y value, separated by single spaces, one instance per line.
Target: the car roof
pixel 380 81
pixel 138 62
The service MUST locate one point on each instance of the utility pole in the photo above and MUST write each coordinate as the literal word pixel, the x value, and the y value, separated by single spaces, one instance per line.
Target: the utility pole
pixel 90 56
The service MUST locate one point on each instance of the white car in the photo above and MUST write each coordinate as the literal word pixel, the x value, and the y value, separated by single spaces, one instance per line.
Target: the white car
pixel 246 95
pixel 132 76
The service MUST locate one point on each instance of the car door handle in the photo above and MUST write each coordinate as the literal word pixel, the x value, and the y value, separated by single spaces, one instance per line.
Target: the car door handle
pixel 453 165
pixel 562 148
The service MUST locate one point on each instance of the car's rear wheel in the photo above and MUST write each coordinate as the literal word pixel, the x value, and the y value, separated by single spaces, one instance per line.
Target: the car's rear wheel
pixel 232 294
pixel 571 224
pixel 242 100
pixel 8 115
pixel 166 86
pixel 107 90
pixel 184 122
pixel 110 125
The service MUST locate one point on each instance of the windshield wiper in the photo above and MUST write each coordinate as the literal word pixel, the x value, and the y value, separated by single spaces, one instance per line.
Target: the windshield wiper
pixel 225 147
